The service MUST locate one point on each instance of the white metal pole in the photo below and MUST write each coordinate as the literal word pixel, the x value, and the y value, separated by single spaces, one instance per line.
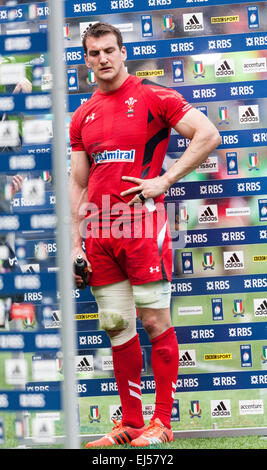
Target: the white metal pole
pixel 65 279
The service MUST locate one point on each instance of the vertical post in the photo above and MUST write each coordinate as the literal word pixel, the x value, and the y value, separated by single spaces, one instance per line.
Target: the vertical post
pixel 65 279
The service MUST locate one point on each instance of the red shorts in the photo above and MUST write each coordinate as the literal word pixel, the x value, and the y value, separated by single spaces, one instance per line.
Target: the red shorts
pixel 143 255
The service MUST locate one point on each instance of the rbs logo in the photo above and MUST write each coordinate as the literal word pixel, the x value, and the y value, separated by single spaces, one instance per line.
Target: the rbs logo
pixel 72 56
pixel 119 4
pixel 145 50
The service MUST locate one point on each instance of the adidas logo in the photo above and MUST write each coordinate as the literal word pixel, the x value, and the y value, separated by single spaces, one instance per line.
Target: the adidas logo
pixel 233 260
pixel 117 414
pixel 224 68
pixel 187 358
pixel 249 114
pixel 193 22
pixel 85 365
pixel 220 409
pixel 208 214
pixel 30 270
pixel 52 321
pixel 260 307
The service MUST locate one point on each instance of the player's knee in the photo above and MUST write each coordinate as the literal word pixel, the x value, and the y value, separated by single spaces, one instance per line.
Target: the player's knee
pixel 112 320
pixel 120 328
pixel 116 311
pixel 155 324
pixel 152 295
pixel 151 325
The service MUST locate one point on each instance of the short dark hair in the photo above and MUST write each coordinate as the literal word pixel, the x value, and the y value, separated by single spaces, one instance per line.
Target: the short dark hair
pixel 100 29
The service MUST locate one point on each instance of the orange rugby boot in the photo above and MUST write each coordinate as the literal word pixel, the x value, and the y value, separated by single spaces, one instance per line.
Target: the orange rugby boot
pixel 119 435
pixel 155 433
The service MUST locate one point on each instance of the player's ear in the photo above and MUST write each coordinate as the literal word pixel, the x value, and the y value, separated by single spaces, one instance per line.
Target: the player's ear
pixel 86 61
pixel 124 53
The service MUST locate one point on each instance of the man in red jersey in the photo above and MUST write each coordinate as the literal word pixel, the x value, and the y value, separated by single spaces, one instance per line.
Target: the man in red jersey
pixel 119 139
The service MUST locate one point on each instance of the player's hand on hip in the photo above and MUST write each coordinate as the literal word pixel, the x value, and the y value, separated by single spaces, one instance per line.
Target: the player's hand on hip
pixel 144 189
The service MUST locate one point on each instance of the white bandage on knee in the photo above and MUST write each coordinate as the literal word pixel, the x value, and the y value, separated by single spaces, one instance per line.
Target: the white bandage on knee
pixel 116 310
pixel 153 295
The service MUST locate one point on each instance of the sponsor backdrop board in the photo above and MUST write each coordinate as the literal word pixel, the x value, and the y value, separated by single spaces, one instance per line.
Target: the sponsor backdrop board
pixel 215 54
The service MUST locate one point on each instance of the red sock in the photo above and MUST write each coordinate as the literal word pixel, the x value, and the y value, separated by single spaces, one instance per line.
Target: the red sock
pixel 165 363
pixel 128 362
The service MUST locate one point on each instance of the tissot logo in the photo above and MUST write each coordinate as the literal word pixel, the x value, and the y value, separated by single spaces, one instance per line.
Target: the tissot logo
pixel 208 166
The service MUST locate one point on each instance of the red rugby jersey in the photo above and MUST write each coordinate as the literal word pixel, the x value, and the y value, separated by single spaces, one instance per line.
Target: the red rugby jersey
pixel 125 133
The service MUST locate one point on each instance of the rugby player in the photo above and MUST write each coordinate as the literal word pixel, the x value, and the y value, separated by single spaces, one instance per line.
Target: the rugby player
pixel 119 139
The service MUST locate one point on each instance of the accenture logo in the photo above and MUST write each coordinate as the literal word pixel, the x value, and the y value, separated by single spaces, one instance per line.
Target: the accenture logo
pixel 233 260
pixel 193 22
pixel 254 65
pixel 249 114
pixel 225 68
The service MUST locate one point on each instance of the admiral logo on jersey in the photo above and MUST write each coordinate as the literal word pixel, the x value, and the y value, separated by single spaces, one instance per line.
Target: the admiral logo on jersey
pixel 114 156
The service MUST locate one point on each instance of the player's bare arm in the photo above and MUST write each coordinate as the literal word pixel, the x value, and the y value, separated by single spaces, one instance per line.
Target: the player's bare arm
pixel 17 182
pixel 78 198
pixel 24 86
pixel 204 139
